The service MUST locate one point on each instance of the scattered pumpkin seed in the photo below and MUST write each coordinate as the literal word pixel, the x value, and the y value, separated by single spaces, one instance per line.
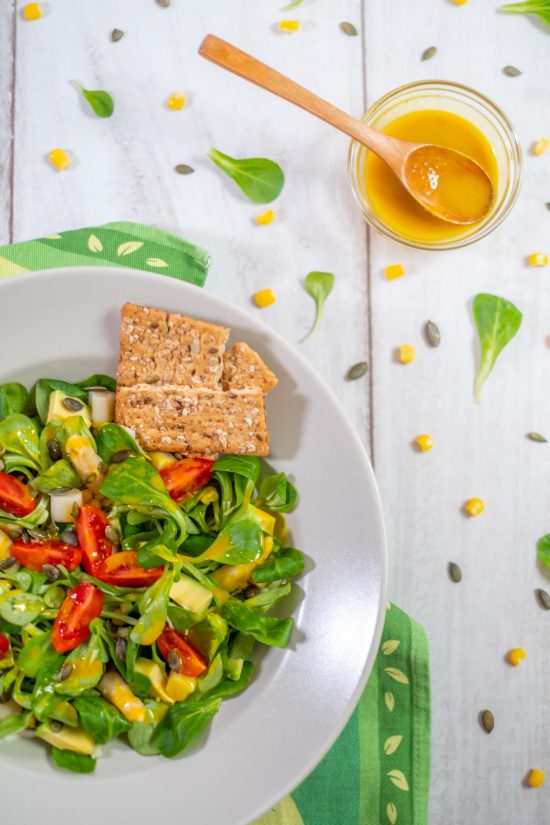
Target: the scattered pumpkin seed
pixel 73 404
pixel 103 468
pixel 65 672
pixel 427 54
pixel 25 538
pixel 37 533
pixel 116 35
pixel 357 371
pixel 164 4
pixel 184 169
pixel 547 205
pixel 511 71
pixel 152 379
pixel 174 661
pixel 112 534
pixel 544 598
pixel 51 572
pixel 455 572
pixel 432 333
pixel 69 537
pixel 123 632
pixel 55 726
pixel 54 449
pixel 120 647
pixel 5 563
pixel 122 455
pixel 487 720
pixel 537 437
pixel 348 28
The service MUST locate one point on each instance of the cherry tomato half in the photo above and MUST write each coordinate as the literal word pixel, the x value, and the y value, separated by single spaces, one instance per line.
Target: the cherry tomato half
pixel 122 570
pixel 72 624
pixel 192 662
pixel 90 527
pixel 186 477
pixel 35 554
pixel 15 497
pixel 4 646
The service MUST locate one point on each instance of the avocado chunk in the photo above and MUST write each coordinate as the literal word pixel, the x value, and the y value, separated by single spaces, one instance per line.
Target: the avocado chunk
pixel 68 739
pixel 58 409
pixel 190 594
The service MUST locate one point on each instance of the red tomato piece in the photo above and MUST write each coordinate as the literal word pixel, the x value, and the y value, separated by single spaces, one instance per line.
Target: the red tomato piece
pixel 186 477
pixel 192 662
pixel 72 624
pixel 122 570
pixel 4 646
pixel 90 527
pixel 35 554
pixel 15 497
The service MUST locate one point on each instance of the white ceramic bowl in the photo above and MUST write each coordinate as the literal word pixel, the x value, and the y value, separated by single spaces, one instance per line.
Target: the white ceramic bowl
pixel 64 324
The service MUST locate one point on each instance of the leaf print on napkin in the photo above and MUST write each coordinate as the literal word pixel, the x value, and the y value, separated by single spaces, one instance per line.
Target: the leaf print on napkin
pixel 397 674
pixel 94 244
pixel 390 646
pixel 399 780
pixel 389 699
pixel 129 247
pixel 391 744
pixel 391 811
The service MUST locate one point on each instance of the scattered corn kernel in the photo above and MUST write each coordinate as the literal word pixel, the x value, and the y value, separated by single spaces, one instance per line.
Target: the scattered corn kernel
pixel 176 101
pixel 265 218
pixel 289 25
pixel 264 298
pixel 516 656
pixel 425 442
pixel 32 11
pixel 407 353
pixel 538 259
pixel 394 271
pixel 474 506
pixel 535 778
pixel 460 2
pixel 541 146
pixel 60 159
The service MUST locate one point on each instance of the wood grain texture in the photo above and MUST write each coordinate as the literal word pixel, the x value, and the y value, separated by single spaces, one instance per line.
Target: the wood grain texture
pixel 7 115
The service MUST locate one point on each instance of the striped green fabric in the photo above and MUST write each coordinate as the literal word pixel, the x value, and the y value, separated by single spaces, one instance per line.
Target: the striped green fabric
pixel 378 771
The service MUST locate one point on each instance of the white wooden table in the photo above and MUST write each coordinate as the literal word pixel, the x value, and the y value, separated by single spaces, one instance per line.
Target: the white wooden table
pixel 124 170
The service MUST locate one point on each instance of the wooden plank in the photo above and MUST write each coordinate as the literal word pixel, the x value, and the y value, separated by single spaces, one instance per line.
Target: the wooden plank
pixel 7 103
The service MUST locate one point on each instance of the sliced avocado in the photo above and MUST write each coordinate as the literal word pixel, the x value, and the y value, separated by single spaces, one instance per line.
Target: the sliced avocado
pixel 156 677
pixel 208 635
pixel 68 739
pixel 58 409
pixel 190 594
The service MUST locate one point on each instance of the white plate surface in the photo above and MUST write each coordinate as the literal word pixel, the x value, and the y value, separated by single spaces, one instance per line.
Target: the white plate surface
pixel 64 324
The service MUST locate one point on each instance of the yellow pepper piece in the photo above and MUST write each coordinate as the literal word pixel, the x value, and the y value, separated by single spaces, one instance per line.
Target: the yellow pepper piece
pixel 538 259
pixel 264 298
pixel 394 271
pixel 32 11
pixel 474 506
pixel 516 656
pixel 541 146
pixel 289 25
pixel 535 778
pixel 176 101
pixel 425 442
pixel 60 159
pixel 178 686
pixel 407 353
pixel 264 218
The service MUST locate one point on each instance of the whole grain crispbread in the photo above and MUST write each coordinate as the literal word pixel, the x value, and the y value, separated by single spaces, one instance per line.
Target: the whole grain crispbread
pixel 244 369
pixel 194 421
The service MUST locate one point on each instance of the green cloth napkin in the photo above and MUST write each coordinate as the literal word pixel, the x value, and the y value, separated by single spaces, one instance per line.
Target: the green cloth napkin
pixel 378 770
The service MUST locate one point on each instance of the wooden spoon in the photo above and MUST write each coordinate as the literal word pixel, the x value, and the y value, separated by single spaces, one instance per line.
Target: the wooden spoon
pixel 447 183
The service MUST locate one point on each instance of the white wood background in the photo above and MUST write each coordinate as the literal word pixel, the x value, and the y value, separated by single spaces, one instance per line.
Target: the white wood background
pixel 124 170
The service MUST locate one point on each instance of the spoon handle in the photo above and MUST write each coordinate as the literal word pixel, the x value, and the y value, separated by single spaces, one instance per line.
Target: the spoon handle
pixel 240 63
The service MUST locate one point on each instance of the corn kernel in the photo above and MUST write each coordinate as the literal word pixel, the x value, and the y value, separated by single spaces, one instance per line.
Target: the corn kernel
pixel 516 656
pixel 538 259
pixel 176 101
pixel 535 778
pixel 60 159
pixel 264 298
pixel 289 25
pixel 394 271
pixel 460 2
pixel 32 11
pixel 265 218
pixel 541 146
pixel 407 353
pixel 425 442
pixel 474 506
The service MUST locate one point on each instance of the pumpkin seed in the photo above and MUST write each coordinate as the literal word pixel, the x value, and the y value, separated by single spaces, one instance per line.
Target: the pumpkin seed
pixel 357 371
pixel 37 533
pixel 116 35
pixel 174 661
pixel 69 537
pixel 511 71
pixel 65 672
pixel 537 437
pixel 432 333
pixel 51 572
pixel 348 28
pixel 122 455
pixel 25 538
pixel 103 468
pixel 74 510
pixel 123 632
pixel 427 54
pixel 152 379
pixel 487 720
pixel 73 404
pixel 547 205
pixel 544 598
pixel 112 534
pixel 184 169
pixel 55 726
pixel 120 647
pixel 54 449
pixel 5 563
pixel 455 572
pixel 164 4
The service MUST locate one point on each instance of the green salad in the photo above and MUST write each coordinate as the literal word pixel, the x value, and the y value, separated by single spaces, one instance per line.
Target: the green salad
pixel 134 586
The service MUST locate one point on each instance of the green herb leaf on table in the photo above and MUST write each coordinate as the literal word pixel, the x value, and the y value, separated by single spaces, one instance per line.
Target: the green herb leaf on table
pixel 293 5
pixel 543 550
pixel 71 761
pixel 497 321
pixel 14 398
pixel 101 102
pixel 260 179
pixel 183 723
pixel 319 286
pixel 538 7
